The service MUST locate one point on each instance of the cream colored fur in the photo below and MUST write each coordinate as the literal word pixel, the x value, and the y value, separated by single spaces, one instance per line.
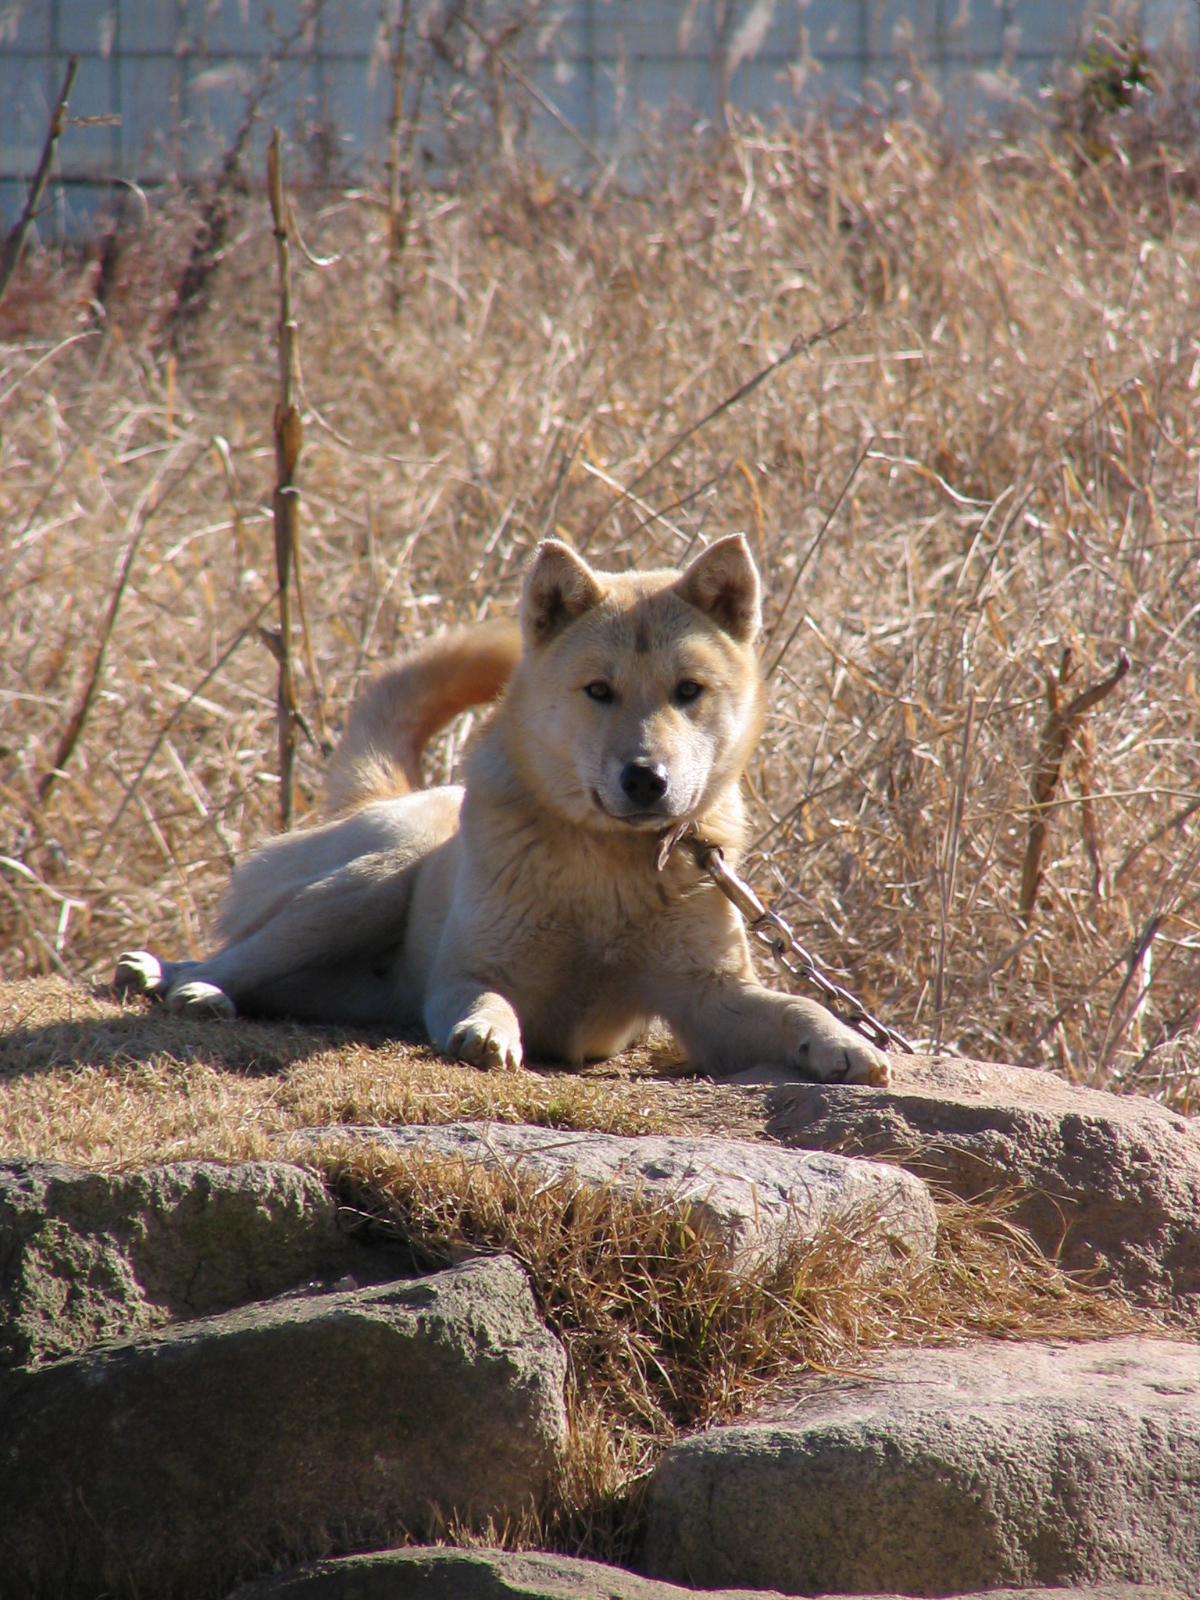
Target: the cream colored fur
pixel 523 915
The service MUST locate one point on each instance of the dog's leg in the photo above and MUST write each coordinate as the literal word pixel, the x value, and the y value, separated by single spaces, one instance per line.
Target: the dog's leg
pixel 361 907
pixel 734 1025
pixel 472 1023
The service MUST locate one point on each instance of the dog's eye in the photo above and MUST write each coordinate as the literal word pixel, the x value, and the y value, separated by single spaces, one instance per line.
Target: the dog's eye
pixel 599 691
pixel 689 689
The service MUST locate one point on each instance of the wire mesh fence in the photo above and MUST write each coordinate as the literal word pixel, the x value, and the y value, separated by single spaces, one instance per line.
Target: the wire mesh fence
pixel 165 86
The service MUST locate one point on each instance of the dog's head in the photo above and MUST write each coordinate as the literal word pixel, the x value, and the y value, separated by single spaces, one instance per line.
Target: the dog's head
pixel 639 699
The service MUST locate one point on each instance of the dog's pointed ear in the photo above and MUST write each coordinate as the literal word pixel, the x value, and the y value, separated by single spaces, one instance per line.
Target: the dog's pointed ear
pixel 559 587
pixel 723 583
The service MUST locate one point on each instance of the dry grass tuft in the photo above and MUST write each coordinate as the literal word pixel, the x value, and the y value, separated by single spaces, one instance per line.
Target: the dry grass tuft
pixel 664 1333
pixel 103 1084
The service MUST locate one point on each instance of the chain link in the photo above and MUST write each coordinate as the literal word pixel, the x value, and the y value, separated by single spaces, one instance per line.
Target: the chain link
pixel 769 928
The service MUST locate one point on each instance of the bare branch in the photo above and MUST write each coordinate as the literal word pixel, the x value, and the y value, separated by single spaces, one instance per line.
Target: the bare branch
pixel 14 245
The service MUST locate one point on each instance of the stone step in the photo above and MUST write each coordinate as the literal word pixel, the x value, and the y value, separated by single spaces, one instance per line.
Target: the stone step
pixel 756 1197
pixel 944 1471
pixel 180 1461
pixel 1109 1183
pixel 444 1574
pixel 88 1256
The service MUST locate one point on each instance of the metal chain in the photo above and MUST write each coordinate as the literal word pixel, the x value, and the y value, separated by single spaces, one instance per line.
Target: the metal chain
pixel 769 928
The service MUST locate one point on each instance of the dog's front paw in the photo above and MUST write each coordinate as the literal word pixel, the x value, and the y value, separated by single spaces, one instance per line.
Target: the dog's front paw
pixel 485 1044
pixel 831 1052
pixel 138 972
pixel 199 1000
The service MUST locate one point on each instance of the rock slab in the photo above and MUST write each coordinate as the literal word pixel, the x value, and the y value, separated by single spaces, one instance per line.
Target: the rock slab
pixel 945 1471
pixel 757 1197
pixel 1110 1184
pixel 448 1574
pixel 444 1574
pixel 88 1256
pixel 180 1461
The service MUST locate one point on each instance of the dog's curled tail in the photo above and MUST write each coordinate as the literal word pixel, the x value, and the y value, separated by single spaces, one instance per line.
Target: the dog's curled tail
pixel 379 757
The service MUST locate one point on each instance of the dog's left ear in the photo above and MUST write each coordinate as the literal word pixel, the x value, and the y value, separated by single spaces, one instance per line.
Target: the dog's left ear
pixel 559 587
pixel 723 583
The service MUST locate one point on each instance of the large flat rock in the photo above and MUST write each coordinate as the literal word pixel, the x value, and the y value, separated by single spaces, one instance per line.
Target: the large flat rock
pixel 1109 1184
pixel 87 1256
pixel 446 1574
pixel 949 1470
pixel 757 1197
pixel 180 1461
pixel 532 1575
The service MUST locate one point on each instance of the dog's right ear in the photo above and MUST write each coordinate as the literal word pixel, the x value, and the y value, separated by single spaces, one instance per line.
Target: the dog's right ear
pixel 723 582
pixel 559 587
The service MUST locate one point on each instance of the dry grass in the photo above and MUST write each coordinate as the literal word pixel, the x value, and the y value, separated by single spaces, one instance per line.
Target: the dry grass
pixel 664 1334
pixel 1020 370
pixel 104 1084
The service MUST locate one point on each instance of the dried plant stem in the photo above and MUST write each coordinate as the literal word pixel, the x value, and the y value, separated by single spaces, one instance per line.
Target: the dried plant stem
pixel 398 196
pixel 289 441
pixel 310 660
pixel 950 865
pixel 149 502
pixel 165 731
pixel 1056 736
pixel 799 344
pixel 802 564
pixel 14 245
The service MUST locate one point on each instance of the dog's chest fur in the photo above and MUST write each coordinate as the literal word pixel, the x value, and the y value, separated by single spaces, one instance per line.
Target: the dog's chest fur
pixel 578 929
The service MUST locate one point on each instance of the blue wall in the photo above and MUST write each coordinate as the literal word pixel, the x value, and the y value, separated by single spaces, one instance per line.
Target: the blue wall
pixel 176 72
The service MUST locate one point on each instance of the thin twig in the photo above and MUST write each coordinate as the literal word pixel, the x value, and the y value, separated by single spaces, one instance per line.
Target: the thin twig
pixel 164 732
pixel 1175 821
pixel 950 868
pixel 289 441
pixel 814 546
pixel 1056 736
pixel 799 345
pixel 1126 959
pixel 14 245
pixel 148 503
pixel 535 93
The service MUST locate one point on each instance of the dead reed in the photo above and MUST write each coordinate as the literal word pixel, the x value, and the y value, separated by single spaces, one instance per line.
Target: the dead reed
pixel 995 460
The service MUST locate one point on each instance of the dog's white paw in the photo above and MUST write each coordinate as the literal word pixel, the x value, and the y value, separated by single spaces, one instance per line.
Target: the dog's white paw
pixel 138 972
pixel 487 1045
pixel 197 999
pixel 859 1061
pixel 831 1052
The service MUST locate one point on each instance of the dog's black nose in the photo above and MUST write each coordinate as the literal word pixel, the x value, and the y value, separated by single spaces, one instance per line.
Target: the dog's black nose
pixel 644 782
